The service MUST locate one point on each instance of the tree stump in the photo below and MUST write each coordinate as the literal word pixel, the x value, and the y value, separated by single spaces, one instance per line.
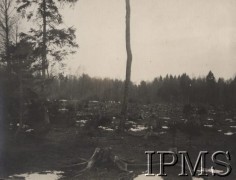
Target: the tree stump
pixel 104 158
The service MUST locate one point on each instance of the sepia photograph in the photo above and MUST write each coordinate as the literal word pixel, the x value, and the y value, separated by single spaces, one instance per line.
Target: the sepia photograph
pixel 117 89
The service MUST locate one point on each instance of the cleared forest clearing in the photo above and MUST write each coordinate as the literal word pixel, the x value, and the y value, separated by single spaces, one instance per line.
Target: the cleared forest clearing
pixel 153 127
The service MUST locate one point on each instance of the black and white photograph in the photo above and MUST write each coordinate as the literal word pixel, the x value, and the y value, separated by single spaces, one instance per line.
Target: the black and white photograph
pixel 117 89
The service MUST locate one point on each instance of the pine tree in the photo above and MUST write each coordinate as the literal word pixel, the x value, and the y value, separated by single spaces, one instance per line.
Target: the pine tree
pixel 53 41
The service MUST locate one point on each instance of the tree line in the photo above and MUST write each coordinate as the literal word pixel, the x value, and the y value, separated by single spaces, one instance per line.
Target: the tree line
pixel 182 89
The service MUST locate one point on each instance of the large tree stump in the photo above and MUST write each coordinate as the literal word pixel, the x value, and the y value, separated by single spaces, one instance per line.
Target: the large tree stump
pixel 104 158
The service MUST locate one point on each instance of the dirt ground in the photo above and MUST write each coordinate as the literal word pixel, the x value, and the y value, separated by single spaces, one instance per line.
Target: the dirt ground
pixel 63 146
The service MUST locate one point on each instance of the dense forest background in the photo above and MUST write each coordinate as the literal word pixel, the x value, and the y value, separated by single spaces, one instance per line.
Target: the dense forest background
pixel 182 89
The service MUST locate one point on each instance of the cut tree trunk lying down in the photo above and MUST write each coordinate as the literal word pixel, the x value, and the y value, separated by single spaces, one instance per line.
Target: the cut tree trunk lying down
pixel 103 158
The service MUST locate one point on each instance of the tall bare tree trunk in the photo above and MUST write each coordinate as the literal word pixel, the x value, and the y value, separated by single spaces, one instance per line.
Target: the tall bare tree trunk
pixel 21 99
pixel 44 51
pixel 7 37
pixel 44 60
pixel 16 35
pixel 4 22
pixel 128 66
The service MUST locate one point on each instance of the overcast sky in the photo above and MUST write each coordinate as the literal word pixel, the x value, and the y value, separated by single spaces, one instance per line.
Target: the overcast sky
pixel 167 36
